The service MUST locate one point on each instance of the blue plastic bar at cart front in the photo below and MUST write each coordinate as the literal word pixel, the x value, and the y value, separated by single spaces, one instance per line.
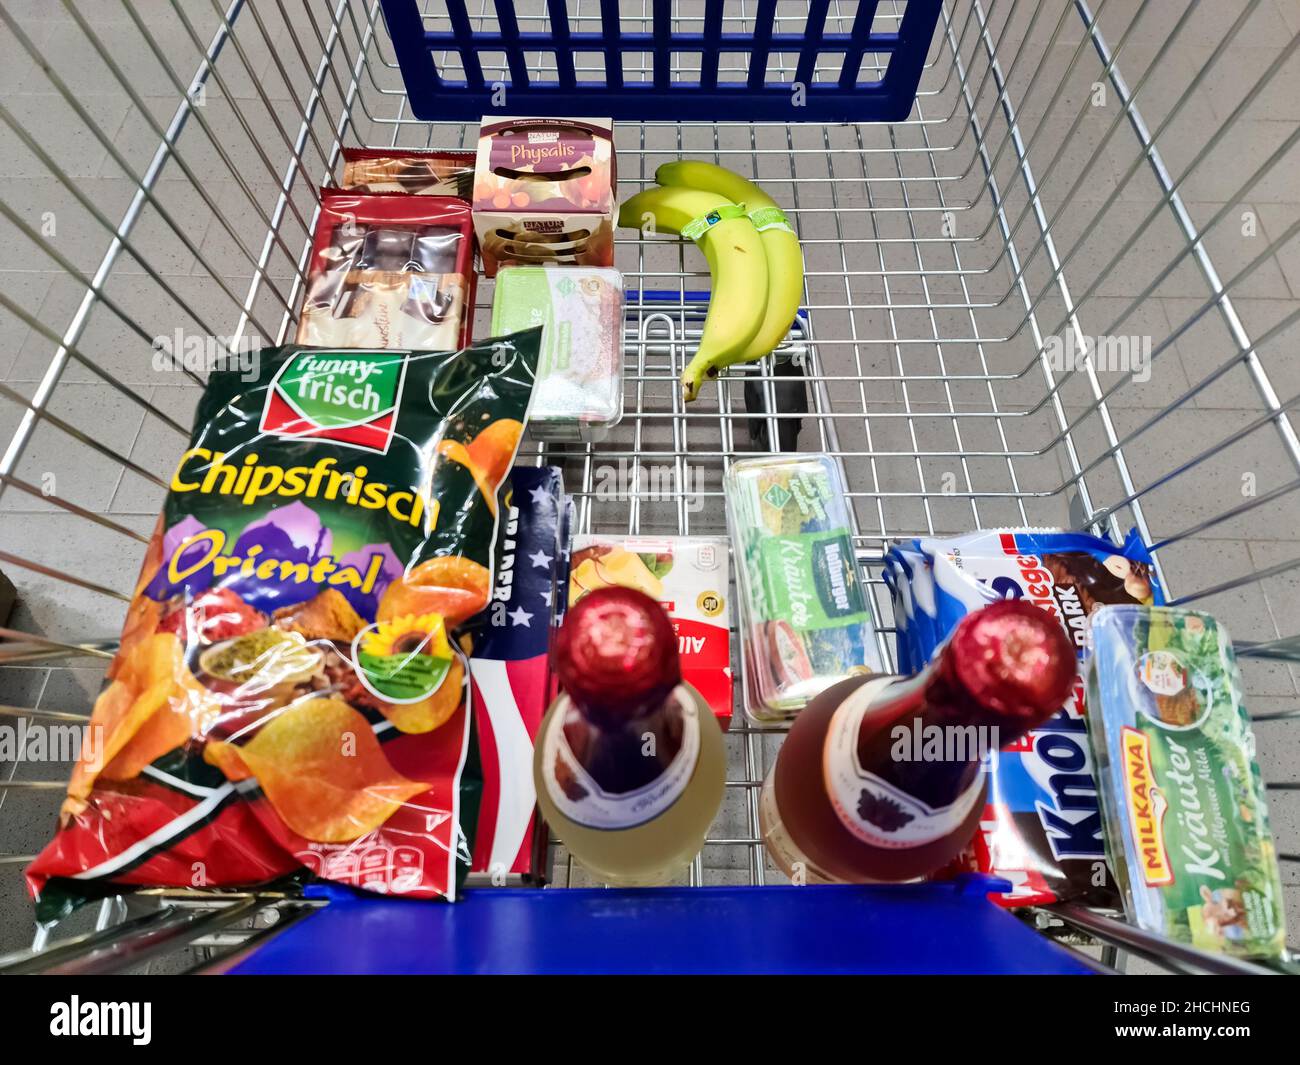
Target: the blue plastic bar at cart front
pixel 913 928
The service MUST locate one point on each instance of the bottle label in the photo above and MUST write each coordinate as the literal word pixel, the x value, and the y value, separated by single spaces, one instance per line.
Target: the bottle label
pixel 579 798
pixel 784 851
pixel 873 809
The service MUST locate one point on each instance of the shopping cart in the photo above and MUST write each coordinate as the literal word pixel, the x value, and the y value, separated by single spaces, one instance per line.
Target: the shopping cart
pixel 1121 171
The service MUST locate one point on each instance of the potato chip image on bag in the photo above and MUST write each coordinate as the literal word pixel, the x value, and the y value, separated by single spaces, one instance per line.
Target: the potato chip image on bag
pixel 292 686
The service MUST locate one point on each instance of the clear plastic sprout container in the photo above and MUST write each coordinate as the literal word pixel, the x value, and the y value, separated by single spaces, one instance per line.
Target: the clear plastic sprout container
pixel 804 618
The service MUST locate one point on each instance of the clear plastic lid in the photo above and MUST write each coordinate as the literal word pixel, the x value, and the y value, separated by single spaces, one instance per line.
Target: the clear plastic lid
pixel 579 392
pixel 804 618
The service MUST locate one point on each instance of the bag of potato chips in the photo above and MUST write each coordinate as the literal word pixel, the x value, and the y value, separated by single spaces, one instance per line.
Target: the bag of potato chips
pixel 291 686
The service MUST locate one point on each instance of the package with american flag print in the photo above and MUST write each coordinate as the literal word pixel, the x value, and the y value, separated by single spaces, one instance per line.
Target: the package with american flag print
pixel 512 685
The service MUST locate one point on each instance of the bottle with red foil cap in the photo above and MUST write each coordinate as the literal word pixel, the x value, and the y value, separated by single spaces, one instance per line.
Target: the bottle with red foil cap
pixel 882 778
pixel 628 763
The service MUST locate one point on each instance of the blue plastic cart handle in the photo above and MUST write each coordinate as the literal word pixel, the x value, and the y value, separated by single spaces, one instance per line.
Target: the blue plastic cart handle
pixel 905 928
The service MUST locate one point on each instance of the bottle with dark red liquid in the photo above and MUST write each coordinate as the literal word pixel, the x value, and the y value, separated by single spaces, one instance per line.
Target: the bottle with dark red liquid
pixel 629 763
pixel 882 778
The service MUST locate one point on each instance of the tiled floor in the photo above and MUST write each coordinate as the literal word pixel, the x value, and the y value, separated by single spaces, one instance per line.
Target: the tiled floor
pixel 902 243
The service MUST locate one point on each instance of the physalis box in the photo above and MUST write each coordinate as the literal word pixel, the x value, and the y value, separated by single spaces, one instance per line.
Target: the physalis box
pixel 544 192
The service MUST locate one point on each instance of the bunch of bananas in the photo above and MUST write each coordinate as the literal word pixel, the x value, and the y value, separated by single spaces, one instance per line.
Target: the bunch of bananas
pixel 753 256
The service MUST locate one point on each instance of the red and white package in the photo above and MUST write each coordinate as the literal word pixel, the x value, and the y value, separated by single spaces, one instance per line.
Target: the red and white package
pixel 688 576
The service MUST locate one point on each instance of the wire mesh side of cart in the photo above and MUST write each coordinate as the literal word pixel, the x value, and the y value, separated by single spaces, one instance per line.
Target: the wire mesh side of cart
pixel 1062 292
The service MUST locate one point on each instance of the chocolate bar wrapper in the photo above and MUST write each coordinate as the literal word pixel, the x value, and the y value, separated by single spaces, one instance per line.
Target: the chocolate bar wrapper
pixel 1042 826
pixel 389 271
pixel 408 172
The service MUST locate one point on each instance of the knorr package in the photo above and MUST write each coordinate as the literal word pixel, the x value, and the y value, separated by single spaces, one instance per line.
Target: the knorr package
pixel 1183 798
pixel 1042 824
pixel 290 688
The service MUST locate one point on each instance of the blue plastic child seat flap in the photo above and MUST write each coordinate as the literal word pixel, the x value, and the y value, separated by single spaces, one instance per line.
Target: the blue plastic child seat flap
pixel 459 65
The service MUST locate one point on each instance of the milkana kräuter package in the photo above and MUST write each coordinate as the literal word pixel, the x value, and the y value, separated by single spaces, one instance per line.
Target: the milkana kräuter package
pixel 1183 797
pixel 1042 826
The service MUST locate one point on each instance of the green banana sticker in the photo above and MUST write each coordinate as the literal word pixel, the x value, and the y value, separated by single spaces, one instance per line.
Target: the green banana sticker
pixel 697 227
pixel 770 218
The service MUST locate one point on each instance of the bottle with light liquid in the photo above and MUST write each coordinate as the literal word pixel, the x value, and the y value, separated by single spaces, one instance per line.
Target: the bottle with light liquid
pixel 629 763
pixel 881 778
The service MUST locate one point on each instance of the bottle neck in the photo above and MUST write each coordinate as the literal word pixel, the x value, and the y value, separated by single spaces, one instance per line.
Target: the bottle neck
pixel 928 734
pixel 936 697
pixel 623 752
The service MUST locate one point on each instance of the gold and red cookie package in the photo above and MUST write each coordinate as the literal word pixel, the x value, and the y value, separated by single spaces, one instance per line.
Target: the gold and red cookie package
pixel 290 688
pixel 544 192
pixel 389 271
pixel 408 172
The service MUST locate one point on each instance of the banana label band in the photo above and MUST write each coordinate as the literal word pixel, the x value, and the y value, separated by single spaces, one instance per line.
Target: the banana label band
pixel 697 227
pixel 765 218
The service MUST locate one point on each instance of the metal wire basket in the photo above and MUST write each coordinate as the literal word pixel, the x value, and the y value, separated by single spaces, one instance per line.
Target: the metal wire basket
pixel 1122 172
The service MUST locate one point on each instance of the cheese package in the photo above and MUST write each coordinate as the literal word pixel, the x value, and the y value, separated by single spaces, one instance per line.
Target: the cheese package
pixel 1184 804
pixel 579 392
pixel 804 618
pixel 688 575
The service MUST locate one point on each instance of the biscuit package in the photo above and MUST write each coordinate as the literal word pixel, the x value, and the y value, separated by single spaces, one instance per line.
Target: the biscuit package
pixel 510 674
pixel 544 192
pixel 1042 826
pixel 291 687
pixel 389 272
pixel 414 173
pixel 1182 795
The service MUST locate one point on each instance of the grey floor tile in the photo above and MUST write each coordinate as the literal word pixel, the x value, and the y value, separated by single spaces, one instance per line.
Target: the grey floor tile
pixel 28 289
pixel 1207 345
pixel 71 547
pixel 75 148
pixel 156 449
pixel 1290 12
pixel 70 469
pixel 1235 243
pixel 1276 219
